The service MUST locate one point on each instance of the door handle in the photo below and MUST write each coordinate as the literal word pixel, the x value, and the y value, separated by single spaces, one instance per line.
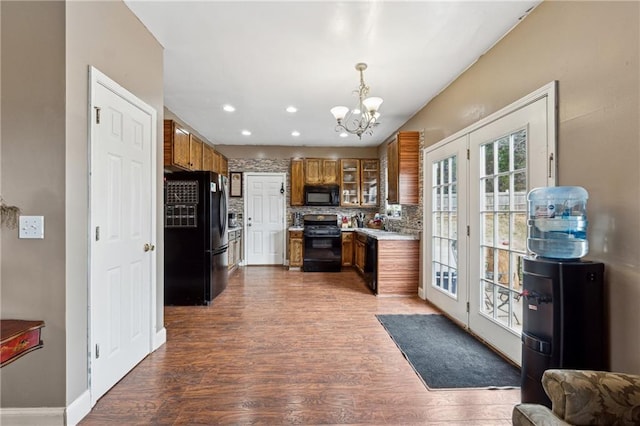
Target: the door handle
pixel 148 247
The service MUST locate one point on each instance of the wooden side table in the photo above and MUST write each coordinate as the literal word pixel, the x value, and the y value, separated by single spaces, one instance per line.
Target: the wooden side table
pixel 18 337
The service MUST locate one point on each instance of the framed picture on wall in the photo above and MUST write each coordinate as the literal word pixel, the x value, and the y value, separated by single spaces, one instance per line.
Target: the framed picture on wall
pixel 235 185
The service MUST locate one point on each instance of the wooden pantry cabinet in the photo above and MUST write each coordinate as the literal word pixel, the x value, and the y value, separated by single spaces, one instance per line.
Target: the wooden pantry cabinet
pixel 402 165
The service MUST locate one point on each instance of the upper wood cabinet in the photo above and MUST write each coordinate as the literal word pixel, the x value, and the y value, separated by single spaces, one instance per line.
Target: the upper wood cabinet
pixel 195 152
pixel 297 182
pixel 350 182
pixel 207 158
pixel 359 182
pixel 369 182
pixel 223 165
pixel 184 150
pixel 402 167
pixel 176 146
pixel 320 171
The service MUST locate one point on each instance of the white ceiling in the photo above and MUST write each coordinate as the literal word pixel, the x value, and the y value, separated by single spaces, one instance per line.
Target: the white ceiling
pixel 263 56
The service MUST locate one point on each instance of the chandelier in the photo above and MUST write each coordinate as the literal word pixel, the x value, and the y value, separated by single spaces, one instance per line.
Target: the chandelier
pixel 364 117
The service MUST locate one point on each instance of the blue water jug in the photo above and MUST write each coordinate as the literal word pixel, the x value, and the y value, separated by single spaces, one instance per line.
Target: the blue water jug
pixel 558 222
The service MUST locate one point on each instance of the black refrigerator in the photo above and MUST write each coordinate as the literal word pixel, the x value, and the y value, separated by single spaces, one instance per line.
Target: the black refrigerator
pixel 195 237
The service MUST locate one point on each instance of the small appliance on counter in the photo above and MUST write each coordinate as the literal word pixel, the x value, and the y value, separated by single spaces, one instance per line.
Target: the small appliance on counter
pixel 233 220
pixel 297 219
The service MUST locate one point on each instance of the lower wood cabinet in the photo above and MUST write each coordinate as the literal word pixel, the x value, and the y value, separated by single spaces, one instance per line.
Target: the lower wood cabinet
pixel 296 247
pixel 347 248
pixel 235 249
pixel 360 250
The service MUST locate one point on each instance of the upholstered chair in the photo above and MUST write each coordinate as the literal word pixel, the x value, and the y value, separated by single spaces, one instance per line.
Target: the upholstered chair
pixel 580 397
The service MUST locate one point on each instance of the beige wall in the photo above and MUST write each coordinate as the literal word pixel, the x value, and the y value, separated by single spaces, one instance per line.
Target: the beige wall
pixel 108 36
pixel 33 164
pixel 45 64
pixel 592 49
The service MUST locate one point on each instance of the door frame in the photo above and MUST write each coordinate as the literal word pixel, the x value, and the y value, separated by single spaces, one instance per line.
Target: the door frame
pixel 96 78
pixel 245 246
pixel 548 91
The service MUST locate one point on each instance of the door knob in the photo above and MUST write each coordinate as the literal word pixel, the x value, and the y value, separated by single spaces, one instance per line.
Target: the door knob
pixel 153 247
pixel 147 247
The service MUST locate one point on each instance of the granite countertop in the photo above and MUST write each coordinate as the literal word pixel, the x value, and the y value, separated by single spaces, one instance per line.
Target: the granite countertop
pixel 379 234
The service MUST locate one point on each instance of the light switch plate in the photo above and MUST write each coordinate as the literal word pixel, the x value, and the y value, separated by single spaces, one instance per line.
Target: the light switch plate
pixel 31 227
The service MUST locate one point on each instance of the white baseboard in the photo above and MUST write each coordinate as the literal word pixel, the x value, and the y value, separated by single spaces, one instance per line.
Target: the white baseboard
pixel 79 408
pixel 41 416
pixel 160 338
pixel 422 294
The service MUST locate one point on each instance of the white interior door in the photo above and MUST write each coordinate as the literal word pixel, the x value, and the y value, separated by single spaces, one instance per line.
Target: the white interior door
pixel 476 183
pixel 122 232
pixel 445 177
pixel 265 221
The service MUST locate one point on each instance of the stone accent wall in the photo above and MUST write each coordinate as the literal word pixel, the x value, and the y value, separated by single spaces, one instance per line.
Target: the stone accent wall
pixel 279 165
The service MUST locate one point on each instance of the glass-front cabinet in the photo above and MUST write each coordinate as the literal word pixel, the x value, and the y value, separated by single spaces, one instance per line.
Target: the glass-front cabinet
pixel 369 182
pixel 359 182
pixel 350 182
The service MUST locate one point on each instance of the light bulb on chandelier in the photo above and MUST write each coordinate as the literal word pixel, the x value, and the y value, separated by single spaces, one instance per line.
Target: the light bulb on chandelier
pixel 365 116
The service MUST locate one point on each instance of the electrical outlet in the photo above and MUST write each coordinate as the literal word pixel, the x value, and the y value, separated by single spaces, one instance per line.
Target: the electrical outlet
pixel 31 227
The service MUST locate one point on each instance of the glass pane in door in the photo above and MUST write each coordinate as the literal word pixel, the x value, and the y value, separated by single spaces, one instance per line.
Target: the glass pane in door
pixel 444 218
pixel 503 212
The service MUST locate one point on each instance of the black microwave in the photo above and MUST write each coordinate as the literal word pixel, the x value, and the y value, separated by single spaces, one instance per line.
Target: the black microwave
pixel 321 195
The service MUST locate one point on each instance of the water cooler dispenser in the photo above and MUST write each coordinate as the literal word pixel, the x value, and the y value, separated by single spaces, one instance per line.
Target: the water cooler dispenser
pixel 563 296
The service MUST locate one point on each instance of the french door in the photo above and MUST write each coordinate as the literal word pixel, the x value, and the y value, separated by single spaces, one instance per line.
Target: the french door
pixel 475 190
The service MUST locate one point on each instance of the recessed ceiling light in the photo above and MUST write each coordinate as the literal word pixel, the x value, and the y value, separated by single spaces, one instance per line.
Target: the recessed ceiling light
pixel 295 133
pixel 292 109
pixel 343 135
pixel 246 133
pixel 228 108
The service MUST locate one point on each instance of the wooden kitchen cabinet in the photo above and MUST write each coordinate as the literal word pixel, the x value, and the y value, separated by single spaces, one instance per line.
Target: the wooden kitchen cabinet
pixel 176 146
pixel 360 251
pixel 297 182
pixel 223 165
pixel 347 248
pixel 235 249
pixel 208 156
pixel 320 171
pixel 350 182
pixel 402 164
pixel 182 149
pixel 296 249
pixel 369 187
pixel 359 182
pixel 195 152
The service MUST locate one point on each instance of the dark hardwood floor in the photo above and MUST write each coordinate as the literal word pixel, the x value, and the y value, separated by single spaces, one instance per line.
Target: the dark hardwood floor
pixel 285 347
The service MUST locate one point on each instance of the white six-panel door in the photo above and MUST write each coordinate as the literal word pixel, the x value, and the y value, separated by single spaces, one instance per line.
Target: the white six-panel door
pixel 264 218
pixel 121 233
